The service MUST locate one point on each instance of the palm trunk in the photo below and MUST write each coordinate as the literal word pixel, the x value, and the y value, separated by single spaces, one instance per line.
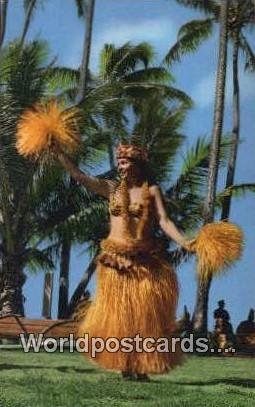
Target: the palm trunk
pixel 80 290
pixel 27 21
pixel 80 96
pixel 12 279
pixel 235 132
pixel 47 295
pixel 86 51
pixel 3 15
pixel 64 278
pixel 201 308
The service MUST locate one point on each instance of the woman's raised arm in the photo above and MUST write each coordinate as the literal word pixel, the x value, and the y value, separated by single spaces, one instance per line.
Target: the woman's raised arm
pixel 165 223
pixel 97 185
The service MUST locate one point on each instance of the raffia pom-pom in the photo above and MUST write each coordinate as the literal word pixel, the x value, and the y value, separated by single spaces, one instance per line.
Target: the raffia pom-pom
pixel 45 124
pixel 218 246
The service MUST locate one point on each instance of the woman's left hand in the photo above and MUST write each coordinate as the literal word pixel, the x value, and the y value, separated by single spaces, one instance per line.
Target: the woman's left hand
pixel 190 245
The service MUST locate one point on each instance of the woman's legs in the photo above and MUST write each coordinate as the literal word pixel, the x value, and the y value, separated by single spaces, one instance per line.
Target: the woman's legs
pixel 127 375
pixel 143 377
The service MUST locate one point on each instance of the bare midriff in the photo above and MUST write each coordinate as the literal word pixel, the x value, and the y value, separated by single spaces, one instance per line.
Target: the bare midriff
pixel 118 228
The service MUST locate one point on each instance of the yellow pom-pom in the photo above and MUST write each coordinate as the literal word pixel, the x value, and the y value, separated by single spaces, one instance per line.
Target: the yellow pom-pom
pixel 217 246
pixel 44 124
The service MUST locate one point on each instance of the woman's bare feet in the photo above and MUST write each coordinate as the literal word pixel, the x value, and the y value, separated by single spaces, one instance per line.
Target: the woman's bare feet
pixel 142 377
pixel 126 375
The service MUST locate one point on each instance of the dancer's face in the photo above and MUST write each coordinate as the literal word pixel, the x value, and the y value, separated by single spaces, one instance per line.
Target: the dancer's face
pixel 129 169
pixel 125 166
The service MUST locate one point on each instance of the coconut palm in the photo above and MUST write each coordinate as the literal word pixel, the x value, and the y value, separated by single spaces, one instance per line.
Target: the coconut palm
pixel 85 10
pixel 25 186
pixel 21 86
pixel 201 310
pixel 241 17
pixel 192 34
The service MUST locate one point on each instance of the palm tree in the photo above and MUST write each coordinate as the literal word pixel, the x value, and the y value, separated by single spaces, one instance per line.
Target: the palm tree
pixel 20 87
pixel 30 6
pixel 85 10
pixel 240 17
pixel 24 186
pixel 201 309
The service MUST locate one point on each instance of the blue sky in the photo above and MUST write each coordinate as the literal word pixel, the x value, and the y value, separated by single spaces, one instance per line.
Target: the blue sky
pixel 157 22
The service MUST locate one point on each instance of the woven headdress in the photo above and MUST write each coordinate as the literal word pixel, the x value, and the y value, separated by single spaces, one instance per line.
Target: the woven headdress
pixel 131 151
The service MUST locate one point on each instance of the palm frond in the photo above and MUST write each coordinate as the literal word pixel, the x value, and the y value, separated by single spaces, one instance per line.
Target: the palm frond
pixel 62 78
pixel 194 169
pixel 153 74
pixel 121 61
pixel 157 128
pixel 37 260
pixel 190 36
pixel 236 191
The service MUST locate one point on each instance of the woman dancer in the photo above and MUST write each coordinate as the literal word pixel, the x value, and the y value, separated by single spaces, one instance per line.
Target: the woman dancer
pixel 137 289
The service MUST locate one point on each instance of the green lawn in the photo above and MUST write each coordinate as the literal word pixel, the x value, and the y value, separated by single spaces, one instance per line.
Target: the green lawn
pixel 66 380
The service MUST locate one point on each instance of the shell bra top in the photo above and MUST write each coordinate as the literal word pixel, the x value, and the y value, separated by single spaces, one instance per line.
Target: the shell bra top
pixel 119 205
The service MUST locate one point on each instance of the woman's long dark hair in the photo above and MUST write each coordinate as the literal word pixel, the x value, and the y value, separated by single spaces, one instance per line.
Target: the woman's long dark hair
pixel 146 171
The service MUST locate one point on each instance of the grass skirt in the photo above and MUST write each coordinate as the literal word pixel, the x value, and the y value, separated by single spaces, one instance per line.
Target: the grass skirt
pixel 137 298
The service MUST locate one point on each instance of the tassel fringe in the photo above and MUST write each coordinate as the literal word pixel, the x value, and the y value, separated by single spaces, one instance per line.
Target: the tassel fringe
pixel 218 245
pixel 39 127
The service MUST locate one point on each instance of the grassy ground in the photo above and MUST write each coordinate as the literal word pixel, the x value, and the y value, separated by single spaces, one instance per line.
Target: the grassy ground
pixel 66 380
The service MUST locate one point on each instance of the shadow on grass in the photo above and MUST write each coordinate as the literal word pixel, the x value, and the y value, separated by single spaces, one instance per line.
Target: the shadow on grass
pixel 6 366
pixel 250 383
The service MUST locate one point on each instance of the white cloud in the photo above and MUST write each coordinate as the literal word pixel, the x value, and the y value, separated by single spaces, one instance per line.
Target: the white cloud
pixel 149 30
pixel 203 92
pixel 155 31
pixel 159 32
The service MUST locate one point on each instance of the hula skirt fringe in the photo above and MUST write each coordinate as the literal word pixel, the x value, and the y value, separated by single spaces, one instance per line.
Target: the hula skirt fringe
pixel 139 297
